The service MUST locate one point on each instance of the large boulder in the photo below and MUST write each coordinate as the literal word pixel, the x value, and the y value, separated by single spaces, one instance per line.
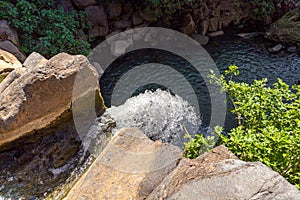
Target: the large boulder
pixel 98 18
pixel 84 3
pixel 130 167
pixel 38 97
pixel 188 25
pixel 219 175
pixel 13 49
pixel 7 33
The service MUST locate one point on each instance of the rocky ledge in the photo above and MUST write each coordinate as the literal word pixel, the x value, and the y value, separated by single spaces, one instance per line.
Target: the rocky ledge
pixel 134 167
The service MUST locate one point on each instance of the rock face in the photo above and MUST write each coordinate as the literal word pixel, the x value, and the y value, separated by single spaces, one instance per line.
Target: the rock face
pixel 13 49
pixel 130 167
pixel 219 175
pixel 7 33
pixel 8 62
pixel 34 60
pixel 38 97
pixel 98 18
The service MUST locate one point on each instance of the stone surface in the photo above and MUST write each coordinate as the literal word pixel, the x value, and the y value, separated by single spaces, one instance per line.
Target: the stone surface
pixel 98 18
pixel 122 24
pixel 203 27
pixel 8 62
pixel 215 34
pixel 84 3
pixel 38 97
pixel 292 49
pixel 130 167
pixel 201 39
pixel 119 47
pixel 34 60
pixel 188 25
pixel 213 24
pixel 137 19
pixel 13 49
pixel 7 33
pixel 114 10
pixel 219 175
pixel 276 48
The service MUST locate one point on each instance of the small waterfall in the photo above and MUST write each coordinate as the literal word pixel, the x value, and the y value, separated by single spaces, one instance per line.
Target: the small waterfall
pixel 159 114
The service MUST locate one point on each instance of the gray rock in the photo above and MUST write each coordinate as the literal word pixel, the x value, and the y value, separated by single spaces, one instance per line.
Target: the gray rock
pixel 292 49
pixel 276 48
pixel 98 18
pixel 201 39
pixel 13 49
pixel 84 3
pixel 114 10
pixel 122 24
pixel 213 177
pixel 7 33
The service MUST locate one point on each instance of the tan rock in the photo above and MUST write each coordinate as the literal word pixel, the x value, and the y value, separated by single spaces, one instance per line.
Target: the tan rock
pixel 219 175
pixel 34 60
pixel 215 34
pixel 8 62
pixel 203 27
pixel 213 24
pixel 130 167
pixel 188 24
pixel 38 97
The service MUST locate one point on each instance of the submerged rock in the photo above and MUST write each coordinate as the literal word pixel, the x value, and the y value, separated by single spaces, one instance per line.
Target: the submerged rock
pixel 130 167
pixel 276 48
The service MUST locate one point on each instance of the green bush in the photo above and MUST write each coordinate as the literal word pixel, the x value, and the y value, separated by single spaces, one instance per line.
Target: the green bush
pixel 45 28
pixel 269 124
pixel 165 8
pixel 264 9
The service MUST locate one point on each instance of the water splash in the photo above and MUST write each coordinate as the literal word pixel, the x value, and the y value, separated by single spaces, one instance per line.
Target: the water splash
pixel 159 114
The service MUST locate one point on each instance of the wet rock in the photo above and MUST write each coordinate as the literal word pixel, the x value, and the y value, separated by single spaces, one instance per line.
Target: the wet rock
pixel 34 60
pixel 7 33
pixel 276 48
pixel 13 49
pixel 201 39
pixel 84 3
pixel 114 10
pixel 38 97
pixel 219 175
pixel 215 34
pixel 98 18
pixel 292 49
pixel 130 167
pixel 249 35
pixel 188 25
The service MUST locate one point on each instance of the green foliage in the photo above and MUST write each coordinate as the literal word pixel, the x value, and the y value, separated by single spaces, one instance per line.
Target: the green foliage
pixel 269 123
pixel 265 8
pixel 44 28
pixel 165 8
pixel 199 145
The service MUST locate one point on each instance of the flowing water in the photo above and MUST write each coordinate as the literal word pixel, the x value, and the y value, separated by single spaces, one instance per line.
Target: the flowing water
pixel 161 114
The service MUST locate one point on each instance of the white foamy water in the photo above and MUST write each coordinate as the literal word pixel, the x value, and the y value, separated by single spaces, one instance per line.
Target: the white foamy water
pixel 159 114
